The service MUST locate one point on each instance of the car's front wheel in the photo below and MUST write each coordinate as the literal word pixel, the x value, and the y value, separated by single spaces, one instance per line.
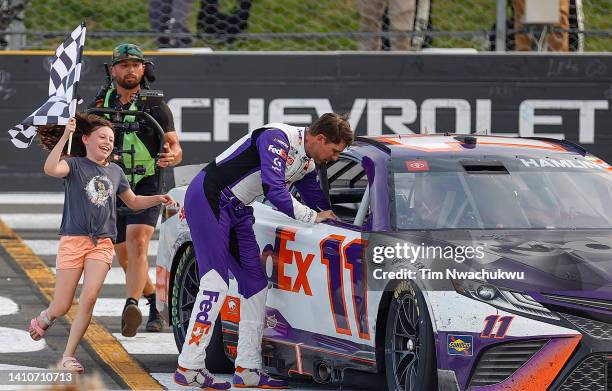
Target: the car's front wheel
pixel 184 290
pixel 410 354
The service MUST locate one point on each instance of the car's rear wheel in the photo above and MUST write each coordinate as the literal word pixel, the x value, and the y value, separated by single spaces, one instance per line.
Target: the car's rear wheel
pixel 410 354
pixel 184 290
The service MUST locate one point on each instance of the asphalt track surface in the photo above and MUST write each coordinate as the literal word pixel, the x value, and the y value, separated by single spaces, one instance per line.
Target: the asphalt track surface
pixel 28 246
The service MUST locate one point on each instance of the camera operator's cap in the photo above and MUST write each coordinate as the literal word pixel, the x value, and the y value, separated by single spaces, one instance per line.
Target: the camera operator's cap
pixel 127 51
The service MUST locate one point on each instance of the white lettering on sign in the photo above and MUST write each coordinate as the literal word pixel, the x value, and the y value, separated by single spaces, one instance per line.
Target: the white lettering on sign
pixel 462 108
pixel 586 112
pixel 408 110
pixel 176 106
pixel 254 118
pixel 397 115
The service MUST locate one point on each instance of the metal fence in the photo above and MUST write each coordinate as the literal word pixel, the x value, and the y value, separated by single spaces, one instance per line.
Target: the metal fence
pixel 299 25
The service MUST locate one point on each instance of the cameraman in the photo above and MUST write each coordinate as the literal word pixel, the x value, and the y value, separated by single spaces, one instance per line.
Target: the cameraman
pixel 135 230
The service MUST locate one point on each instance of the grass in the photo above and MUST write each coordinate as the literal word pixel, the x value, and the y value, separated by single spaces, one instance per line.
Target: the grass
pixel 276 16
pixel 598 15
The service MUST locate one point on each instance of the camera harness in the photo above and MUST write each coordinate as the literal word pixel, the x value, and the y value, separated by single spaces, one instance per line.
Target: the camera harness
pixel 141 155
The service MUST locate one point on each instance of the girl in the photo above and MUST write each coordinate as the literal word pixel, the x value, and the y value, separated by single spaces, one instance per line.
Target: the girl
pixel 91 184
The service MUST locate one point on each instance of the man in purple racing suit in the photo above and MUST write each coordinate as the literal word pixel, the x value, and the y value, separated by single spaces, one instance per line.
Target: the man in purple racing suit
pixel 265 161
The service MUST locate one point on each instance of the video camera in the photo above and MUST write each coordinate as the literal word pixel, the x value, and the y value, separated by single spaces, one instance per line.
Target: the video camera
pixel 146 101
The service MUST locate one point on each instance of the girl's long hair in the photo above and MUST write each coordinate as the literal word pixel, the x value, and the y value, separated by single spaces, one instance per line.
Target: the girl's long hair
pixel 49 135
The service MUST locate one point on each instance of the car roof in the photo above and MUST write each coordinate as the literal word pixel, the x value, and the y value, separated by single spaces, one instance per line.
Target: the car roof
pixel 407 145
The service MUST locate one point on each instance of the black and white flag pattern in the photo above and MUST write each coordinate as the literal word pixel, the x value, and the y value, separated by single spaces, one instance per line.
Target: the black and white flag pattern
pixel 63 81
pixel 22 135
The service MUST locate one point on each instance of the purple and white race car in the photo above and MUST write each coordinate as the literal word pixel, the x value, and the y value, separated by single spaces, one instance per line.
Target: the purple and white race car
pixel 529 309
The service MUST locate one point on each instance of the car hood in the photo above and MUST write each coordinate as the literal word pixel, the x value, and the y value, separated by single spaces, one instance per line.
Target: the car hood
pixel 564 262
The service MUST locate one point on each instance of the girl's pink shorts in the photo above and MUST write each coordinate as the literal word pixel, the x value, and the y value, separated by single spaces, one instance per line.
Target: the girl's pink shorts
pixel 74 250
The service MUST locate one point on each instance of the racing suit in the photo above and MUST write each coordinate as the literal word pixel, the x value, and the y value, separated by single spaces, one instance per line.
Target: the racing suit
pixel 265 161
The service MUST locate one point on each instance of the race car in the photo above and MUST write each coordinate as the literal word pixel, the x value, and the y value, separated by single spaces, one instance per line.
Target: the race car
pixel 529 308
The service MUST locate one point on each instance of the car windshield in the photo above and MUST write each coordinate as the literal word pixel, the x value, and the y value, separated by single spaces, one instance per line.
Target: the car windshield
pixel 528 199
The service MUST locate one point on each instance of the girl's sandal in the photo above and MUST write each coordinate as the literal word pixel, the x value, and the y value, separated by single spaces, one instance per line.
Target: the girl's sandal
pixel 71 364
pixel 39 332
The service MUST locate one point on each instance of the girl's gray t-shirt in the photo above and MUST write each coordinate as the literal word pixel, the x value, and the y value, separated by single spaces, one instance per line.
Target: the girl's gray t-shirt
pixel 90 198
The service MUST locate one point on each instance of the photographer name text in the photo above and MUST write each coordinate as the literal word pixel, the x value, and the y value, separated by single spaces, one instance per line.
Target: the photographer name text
pixel 428 274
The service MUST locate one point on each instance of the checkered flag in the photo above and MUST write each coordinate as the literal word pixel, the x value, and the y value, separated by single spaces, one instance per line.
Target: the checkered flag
pixel 22 136
pixel 63 81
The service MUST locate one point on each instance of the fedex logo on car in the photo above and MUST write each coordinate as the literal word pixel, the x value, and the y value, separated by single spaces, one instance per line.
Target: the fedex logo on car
pixel 284 256
pixel 202 324
pixel 338 256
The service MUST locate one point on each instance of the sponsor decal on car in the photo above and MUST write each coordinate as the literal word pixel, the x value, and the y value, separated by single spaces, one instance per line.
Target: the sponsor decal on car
pixel 460 345
pixel 563 163
pixel 417 165
pixel 282 255
pixel 271 321
pixel 162 282
pixel 337 256
pixel 502 323
pixel 202 324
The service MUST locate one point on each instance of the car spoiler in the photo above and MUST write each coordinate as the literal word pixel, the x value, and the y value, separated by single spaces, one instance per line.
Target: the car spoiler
pixel 564 143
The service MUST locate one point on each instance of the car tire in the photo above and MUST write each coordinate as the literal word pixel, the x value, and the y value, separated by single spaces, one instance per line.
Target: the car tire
pixel 410 350
pixel 184 290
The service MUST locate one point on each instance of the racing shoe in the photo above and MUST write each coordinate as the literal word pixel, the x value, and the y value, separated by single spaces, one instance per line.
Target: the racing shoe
pixel 200 378
pixel 256 378
pixel 154 322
